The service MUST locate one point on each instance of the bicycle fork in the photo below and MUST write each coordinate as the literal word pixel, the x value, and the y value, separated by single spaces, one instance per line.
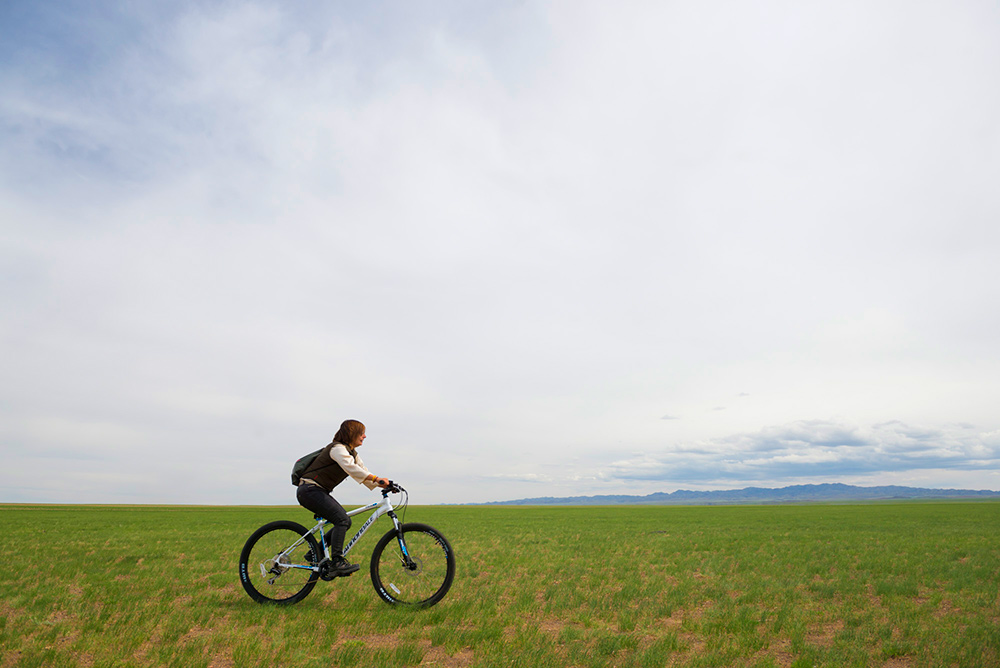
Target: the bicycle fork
pixel 407 560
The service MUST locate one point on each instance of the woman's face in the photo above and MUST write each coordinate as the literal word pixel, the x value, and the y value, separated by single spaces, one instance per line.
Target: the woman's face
pixel 359 440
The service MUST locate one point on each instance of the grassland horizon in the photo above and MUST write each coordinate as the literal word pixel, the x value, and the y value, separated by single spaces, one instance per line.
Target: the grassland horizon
pixel 873 584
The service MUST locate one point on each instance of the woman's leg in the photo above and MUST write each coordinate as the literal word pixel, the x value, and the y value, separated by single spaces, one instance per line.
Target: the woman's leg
pixel 315 499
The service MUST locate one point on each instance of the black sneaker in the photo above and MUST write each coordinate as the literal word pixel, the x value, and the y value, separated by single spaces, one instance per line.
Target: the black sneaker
pixel 341 567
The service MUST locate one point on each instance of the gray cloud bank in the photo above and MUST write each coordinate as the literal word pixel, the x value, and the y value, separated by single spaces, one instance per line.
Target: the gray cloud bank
pixel 816 448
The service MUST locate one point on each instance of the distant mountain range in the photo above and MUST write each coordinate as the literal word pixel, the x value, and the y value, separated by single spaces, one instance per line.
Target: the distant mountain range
pixel 754 495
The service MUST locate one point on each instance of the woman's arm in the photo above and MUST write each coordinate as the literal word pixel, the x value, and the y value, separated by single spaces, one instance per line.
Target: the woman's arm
pixel 355 467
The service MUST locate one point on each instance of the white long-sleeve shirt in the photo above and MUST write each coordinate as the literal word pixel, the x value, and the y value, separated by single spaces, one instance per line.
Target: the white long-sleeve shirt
pixel 354 466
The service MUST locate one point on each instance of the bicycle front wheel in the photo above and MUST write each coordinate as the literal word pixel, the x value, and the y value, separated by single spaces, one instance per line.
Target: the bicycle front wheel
pixel 424 578
pixel 274 564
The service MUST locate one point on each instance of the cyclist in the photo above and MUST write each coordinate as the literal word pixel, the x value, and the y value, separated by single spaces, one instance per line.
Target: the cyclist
pixel 337 461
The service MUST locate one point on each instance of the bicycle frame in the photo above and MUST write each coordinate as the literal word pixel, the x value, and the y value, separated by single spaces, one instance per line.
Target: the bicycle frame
pixel 378 508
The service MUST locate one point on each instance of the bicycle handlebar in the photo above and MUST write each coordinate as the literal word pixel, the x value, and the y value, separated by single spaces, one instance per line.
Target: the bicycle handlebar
pixel 392 488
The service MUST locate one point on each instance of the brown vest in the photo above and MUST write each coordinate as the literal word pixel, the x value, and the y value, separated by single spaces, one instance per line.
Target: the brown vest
pixel 326 471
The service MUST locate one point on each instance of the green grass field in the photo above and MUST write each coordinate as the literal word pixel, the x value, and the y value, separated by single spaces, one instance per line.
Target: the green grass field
pixel 910 584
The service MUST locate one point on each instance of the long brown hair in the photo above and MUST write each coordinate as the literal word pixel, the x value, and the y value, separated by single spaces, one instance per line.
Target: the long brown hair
pixel 349 432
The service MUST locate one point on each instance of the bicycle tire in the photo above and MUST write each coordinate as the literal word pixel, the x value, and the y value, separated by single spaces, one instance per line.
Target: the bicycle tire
pixel 426 583
pixel 264 577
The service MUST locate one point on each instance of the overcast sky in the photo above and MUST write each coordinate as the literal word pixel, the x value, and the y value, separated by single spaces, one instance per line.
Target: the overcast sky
pixel 539 249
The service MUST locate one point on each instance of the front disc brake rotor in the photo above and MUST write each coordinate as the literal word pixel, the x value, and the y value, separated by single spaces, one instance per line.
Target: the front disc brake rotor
pixel 415 566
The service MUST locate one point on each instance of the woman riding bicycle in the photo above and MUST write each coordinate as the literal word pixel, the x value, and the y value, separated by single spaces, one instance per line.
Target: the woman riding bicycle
pixel 337 461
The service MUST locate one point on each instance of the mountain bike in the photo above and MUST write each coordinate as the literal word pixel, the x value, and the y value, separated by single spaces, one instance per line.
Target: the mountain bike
pixel 412 564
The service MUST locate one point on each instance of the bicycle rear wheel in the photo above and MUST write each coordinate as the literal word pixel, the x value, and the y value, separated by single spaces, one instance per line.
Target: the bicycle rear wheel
pixel 425 578
pixel 271 572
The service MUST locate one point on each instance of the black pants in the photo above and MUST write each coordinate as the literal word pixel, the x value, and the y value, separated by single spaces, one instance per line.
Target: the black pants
pixel 315 499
